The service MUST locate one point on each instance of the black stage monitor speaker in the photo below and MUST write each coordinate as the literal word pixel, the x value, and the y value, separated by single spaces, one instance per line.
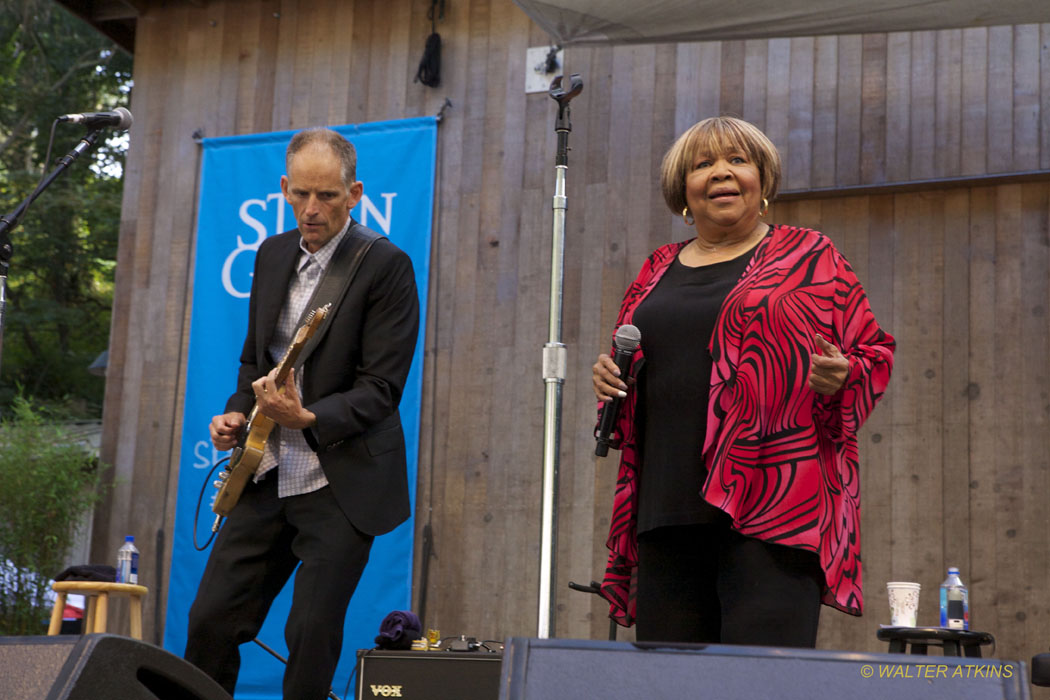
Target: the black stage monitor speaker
pixel 428 675
pixel 557 669
pixel 98 667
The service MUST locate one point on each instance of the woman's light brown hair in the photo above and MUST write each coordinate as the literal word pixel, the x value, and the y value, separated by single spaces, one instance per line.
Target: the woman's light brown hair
pixel 714 137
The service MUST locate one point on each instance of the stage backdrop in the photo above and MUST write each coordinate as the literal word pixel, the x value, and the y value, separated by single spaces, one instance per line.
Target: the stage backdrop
pixel 240 205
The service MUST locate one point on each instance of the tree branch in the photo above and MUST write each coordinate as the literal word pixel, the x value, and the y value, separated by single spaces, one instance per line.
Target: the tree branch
pixel 85 60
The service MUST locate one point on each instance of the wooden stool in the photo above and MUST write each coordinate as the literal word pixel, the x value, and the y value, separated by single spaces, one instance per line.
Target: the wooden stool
pixel 97 595
pixel 954 642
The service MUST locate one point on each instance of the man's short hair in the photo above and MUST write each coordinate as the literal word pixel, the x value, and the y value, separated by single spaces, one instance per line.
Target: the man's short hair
pixel 343 149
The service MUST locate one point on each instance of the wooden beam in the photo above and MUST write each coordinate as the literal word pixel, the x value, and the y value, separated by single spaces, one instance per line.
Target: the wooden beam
pixel 112 18
pixel 112 10
pixel 915 185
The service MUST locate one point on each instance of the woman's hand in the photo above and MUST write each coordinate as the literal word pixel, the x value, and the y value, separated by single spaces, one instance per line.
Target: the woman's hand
pixel 606 379
pixel 828 369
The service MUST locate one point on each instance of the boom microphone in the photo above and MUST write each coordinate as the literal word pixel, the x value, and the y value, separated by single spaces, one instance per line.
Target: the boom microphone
pixel 119 118
pixel 625 342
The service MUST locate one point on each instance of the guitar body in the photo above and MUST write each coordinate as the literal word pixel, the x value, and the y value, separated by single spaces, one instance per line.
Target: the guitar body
pixel 246 457
pixel 243 463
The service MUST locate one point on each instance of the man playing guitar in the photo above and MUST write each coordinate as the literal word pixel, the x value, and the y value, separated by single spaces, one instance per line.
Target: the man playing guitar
pixel 333 472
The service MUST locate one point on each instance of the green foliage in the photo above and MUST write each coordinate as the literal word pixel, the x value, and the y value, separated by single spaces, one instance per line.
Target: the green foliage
pixel 49 484
pixel 60 284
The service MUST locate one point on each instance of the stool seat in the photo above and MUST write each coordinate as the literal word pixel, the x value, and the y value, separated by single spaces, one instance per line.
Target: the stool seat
pixel 97 594
pixel 954 642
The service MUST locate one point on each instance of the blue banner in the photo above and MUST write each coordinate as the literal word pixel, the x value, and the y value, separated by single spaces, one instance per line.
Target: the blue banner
pixel 240 205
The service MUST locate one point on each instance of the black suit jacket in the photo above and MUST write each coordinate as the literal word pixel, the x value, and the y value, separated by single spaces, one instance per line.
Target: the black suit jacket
pixel 353 379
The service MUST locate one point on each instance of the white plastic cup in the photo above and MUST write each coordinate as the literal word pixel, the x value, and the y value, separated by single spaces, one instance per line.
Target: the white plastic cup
pixel 904 603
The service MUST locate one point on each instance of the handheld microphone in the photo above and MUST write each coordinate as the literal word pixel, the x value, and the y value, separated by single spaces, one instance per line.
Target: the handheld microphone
pixel 119 118
pixel 625 342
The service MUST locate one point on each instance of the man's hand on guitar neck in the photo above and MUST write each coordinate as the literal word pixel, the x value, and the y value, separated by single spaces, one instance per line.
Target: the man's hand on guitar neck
pixel 225 430
pixel 282 405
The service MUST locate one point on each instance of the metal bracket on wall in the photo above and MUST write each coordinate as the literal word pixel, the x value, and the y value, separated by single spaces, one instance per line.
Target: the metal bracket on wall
pixel 542 63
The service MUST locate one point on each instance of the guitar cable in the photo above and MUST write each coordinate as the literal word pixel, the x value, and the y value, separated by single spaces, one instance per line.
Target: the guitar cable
pixel 331 693
pixel 197 511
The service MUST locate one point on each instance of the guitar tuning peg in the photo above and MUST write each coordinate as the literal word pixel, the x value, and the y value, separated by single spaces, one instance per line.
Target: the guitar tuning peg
pixel 217 484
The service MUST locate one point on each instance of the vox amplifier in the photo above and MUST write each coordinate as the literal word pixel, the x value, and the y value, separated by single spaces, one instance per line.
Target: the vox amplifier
pixel 428 675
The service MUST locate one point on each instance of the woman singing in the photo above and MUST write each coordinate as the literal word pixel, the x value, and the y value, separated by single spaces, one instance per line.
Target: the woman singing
pixel 737 507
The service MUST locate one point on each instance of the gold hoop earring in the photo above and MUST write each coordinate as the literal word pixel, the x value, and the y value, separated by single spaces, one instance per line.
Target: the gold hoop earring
pixel 765 207
pixel 685 217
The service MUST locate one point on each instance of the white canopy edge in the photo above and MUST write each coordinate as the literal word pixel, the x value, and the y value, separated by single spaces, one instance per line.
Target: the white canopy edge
pixel 579 22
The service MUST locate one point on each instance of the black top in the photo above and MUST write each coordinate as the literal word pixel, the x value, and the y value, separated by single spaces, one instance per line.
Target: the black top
pixel 676 320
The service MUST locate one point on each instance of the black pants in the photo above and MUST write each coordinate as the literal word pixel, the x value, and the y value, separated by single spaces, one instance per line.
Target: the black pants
pixel 256 551
pixel 710 584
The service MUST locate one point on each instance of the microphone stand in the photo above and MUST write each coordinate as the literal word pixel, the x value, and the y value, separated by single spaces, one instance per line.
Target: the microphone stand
pixel 596 589
pixel 9 221
pixel 554 361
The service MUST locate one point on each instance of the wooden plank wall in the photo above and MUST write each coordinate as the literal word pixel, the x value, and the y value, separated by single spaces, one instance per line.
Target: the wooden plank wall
pixel 954 463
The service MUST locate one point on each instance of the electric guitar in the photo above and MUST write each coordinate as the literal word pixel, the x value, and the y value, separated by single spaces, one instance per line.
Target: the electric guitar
pixel 249 452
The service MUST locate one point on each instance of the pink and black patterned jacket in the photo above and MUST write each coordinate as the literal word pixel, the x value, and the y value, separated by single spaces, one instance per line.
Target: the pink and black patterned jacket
pixel 781 459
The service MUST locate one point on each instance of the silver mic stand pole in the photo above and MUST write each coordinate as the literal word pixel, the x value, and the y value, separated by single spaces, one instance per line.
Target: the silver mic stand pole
pixel 554 361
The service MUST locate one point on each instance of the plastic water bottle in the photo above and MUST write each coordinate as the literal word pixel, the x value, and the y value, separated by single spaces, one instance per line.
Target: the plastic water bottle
pixel 955 602
pixel 128 561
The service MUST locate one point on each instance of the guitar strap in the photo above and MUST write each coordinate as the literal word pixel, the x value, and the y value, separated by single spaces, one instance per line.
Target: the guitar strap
pixel 337 277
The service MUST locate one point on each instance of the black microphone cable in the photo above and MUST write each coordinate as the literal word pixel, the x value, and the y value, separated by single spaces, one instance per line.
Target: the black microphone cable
pixel 429 71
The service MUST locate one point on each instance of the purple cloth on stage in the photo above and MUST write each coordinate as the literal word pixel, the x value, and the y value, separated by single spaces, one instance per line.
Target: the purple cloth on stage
pixel 398 630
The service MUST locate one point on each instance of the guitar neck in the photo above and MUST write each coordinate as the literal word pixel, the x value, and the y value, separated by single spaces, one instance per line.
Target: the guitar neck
pixel 302 335
pixel 287 362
